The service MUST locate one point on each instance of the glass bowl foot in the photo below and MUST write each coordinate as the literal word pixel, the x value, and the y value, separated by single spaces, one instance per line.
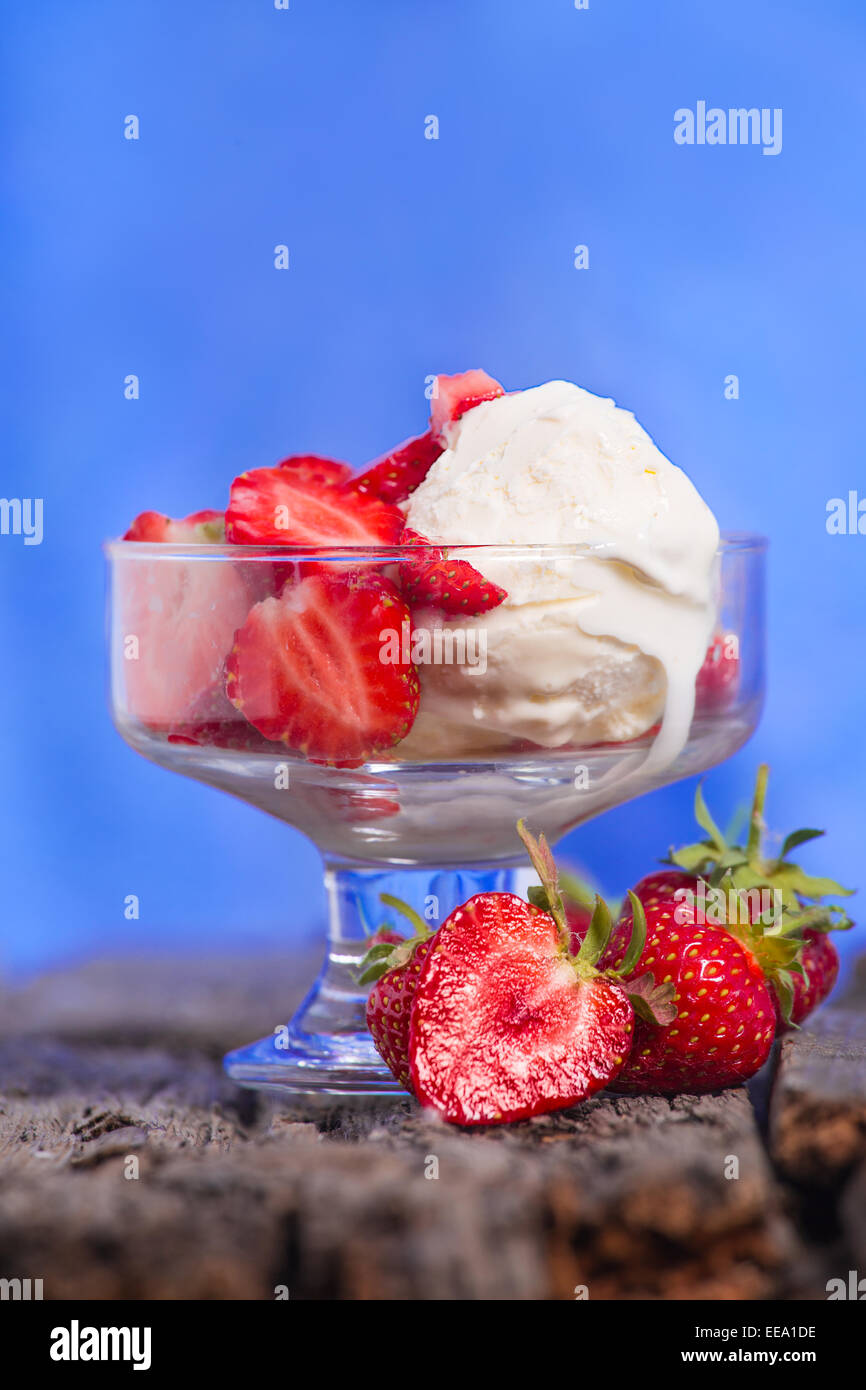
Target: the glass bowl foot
pixel 304 1065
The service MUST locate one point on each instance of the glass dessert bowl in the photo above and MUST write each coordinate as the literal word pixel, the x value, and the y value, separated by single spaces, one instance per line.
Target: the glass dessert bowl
pixel 406 743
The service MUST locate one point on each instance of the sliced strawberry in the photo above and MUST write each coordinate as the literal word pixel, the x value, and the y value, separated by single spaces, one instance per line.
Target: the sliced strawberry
pixel 269 506
pixel 315 470
pixel 454 395
pixel 177 618
pixel 200 528
pixel 719 677
pixel 395 475
pixel 454 586
pixel 503 1025
pixel 306 669
pixel 211 720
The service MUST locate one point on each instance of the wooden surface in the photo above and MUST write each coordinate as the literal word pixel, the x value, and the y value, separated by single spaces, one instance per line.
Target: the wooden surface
pixel 237 1195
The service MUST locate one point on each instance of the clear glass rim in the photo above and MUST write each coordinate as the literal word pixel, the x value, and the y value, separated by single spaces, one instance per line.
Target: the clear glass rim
pixel 729 542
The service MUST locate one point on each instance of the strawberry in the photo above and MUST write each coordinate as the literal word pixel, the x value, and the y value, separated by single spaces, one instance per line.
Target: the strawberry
pixel 182 614
pixel 316 471
pixel 453 586
pixel 505 1024
pixel 718 678
pixel 454 395
pixel 820 962
pixel 785 947
pixel 725 1020
pixel 305 668
pixel 664 883
pixel 394 476
pixel 200 528
pixel 212 720
pixel 393 966
pixel 271 506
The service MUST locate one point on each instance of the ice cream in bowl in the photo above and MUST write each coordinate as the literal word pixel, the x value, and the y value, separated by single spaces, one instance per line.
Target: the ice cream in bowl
pixel 525 611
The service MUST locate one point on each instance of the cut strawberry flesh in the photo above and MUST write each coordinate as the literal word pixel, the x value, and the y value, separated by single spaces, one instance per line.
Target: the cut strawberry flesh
pixel 454 395
pixel 269 506
pixel 212 720
pixel 306 669
pixel 315 470
pixel 182 615
pixel 502 1027
pixel 201 528
pixel 394 476
pixel 718 678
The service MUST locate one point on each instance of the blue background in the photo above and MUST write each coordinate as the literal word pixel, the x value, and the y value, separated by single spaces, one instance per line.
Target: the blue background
pixel 408 256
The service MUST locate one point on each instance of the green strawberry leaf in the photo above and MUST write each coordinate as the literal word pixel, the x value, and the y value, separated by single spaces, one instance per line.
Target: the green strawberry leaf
pixel 597 935
pixel 638 937
pixel 798 837
pixel 651 1002
pixel 706 822
pixel 784 986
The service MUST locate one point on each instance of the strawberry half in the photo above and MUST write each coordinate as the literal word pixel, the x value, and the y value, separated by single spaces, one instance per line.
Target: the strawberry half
pixel 182 613
pixel 212 720
pixel 272 506
pixel 725 1020
pixel 200 528
pixel 453 586
pixel 505 1023
pixel 305 669
pixel 719 677
pixel 394 476
pixel 315 470
pixel 454 395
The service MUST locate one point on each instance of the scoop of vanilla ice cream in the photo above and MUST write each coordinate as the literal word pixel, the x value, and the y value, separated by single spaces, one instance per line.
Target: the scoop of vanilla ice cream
pixel 597 639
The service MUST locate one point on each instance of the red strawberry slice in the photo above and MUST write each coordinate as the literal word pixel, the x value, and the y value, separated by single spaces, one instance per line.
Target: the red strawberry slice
pixel 503 1025
pixel 211 720
pixel 394 476
pixel 270 506
pixel 200 528
pixel 725 1021
pixel 306 669
pixel 719 677
pixel 454 586
pixel 454 395
pixel 177 618
pixel 315 470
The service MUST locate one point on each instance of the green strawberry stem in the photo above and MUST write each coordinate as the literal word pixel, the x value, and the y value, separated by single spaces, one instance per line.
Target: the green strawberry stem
pixel 594 944
pixel 390 955
pixel 422 931
pixel 651 1002
pixel 545 866
pixel 756 821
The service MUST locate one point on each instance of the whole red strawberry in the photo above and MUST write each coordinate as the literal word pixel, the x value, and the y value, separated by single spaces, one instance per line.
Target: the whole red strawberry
pixel 725 1021
pixel 393 966
pixel 795 939
pixel 820 962
pixel 506 1024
